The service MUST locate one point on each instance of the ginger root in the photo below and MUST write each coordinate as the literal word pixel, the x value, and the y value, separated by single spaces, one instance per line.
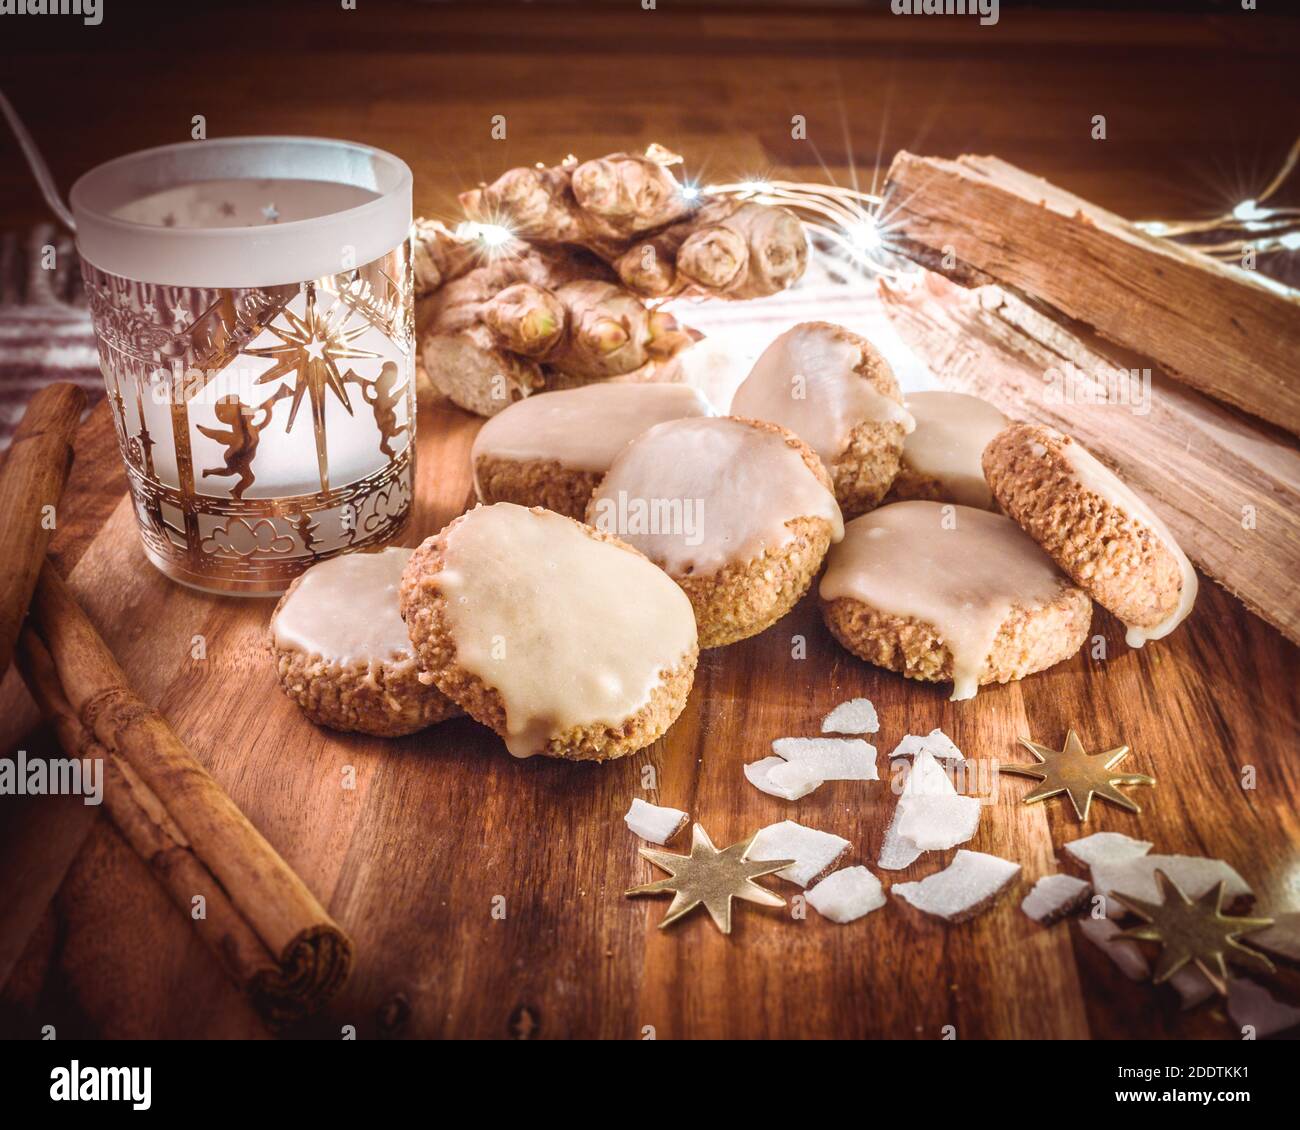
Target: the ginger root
pixel 513 326
pixel 730 249
pixel 571 296
pixel 597 204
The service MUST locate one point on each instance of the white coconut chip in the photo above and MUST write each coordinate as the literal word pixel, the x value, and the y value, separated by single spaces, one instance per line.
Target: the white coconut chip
pixel 847 894
pixel 930 815
pixel 936 823
pixel 857 716
pixel 815 853
pixel 1055 896
pixel 1281 939
pixel 897 853
pixel 654 823
pixel 831 759
pixel 1106 847
pixel 1252 1005
pixel 1192 874
pixel 936 743
pixel 971 883
pixel 1123 952
pixel 780 778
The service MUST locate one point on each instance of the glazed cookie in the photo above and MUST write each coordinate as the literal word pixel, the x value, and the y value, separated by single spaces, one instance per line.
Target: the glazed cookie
pixel 938 592
pixel 563 640
pixel 1095 527
pixel 941 458
pixel 553 449
pixel 836 393
pixel 738 512
pixel 342 650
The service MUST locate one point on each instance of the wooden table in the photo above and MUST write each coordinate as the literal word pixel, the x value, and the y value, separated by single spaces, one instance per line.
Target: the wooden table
pixel 442 822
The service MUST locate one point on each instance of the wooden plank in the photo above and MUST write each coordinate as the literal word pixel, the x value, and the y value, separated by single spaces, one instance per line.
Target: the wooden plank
pixel 441 822
pixel 1229 489
pixel 1220 330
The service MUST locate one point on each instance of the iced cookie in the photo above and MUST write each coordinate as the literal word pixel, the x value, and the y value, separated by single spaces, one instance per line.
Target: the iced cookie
pixel 938 592
pixel 941 458
pixel 737 512
pixel 1096 528
pixel 837 394
pixel 553 449
pixel 342 650
pixel 562 639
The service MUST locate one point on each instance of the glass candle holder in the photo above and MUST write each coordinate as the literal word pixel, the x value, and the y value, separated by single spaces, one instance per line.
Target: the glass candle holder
pixel 252 301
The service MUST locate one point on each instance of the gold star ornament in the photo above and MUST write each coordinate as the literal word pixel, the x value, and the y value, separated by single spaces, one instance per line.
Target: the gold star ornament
pixel 1195 931
pixel 710 877
pixel 1078 774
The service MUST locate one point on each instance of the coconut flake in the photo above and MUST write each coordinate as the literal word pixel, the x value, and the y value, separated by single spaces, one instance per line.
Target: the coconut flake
pixel 930 815
pixel 936 823
pixel 1282 938
pixel 654 823
pixel 1252 1005
pixel 831 759
pixel 780 778
pixel 847 894
pixel 1123 952
pixel 1192 874
pixel 1106 847
pixel 1055 896
pixel 936 743
pixel 814 852
pixel 967 886
pixel 897 852
pixel 857 716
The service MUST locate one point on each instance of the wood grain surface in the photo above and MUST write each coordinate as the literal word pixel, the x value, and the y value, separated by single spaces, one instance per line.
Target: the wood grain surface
pixel 440 823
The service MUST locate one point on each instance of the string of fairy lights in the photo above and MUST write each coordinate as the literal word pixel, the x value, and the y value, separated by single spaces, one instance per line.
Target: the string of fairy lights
pixel 856 224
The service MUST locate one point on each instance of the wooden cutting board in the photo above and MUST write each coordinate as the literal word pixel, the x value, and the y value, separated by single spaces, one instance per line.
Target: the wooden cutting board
pixel 412 860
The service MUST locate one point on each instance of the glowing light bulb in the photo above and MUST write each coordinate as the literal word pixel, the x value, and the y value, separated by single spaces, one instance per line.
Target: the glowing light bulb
pixel 757 186
pixel 1249 211
pixel 865 234
pixel 494 235
pixel 690 192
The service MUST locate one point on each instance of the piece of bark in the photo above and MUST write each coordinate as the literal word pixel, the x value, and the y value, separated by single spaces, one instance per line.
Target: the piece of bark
pixel 1211 326
pixel 1228 489
pixel 175 803
pixel 32 479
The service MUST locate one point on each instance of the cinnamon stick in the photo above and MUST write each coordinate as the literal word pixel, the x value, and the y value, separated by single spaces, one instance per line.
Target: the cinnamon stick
pixel 311 953
pixel 32 479
pixel 148 827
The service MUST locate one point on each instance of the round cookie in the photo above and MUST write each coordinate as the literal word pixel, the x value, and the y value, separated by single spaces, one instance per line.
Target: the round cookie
pixel 938 592
pixel 836 393
pixel 563 640
pixel 1095 527
pixel 552 449
pixel 342 650
pixel 941 457
pixel 738 512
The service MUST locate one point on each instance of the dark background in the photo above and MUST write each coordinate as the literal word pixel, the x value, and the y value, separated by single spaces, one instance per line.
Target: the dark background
pixel 1201 100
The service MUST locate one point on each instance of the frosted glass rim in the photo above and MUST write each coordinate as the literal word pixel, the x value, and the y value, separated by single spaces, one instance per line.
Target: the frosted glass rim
pixel 253 256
